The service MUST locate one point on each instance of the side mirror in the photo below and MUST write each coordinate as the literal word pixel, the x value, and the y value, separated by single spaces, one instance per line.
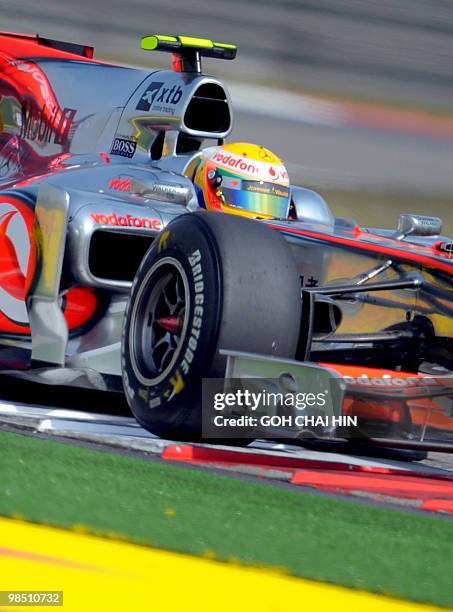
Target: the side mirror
pixel 311 207
pixel 418 225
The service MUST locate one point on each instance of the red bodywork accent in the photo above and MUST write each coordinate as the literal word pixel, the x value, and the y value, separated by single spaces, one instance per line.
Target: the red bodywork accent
pixel 80 306
pixel 44 120
pixel 382 245
pixel 423 410
pixel 12 279
pixel 28 83
pixel 106 157
pixel 23 46
pixel 176 62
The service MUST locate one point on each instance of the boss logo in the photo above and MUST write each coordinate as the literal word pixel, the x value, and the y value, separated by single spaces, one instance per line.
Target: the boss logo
pixel 123 147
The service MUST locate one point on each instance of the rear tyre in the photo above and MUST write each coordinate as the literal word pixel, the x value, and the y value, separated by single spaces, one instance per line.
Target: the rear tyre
pixel 209 282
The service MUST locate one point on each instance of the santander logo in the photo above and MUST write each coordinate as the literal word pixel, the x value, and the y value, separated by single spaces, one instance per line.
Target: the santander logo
pixel 17 259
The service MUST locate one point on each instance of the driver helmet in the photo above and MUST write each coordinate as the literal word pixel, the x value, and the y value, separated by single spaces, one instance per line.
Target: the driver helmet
pixel 242 179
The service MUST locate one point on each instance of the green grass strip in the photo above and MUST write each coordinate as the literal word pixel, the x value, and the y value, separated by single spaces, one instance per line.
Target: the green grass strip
pixel 167 506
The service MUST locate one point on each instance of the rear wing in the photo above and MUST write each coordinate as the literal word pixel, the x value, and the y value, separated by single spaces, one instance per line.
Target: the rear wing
pixel 60 45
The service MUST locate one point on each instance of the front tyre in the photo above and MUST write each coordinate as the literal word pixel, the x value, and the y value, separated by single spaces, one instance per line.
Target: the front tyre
pixel 209 282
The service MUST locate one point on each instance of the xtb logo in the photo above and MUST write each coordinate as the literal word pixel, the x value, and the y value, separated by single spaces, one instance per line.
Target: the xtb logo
pixel 147 100
pixel 167 95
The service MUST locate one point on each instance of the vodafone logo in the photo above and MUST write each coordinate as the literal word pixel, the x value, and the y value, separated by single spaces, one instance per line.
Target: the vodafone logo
pixel 127 221
pixel 278 173
pixel 390 381
pixel 273 173
pixel 17 261
pixel 261 170
pixel 234 161
pixel 119 184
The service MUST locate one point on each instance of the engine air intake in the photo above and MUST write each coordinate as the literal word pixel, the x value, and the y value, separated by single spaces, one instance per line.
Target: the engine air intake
pixel 208 110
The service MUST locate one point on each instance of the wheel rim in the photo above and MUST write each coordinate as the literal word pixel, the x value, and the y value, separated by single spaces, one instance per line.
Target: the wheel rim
pixel 159 321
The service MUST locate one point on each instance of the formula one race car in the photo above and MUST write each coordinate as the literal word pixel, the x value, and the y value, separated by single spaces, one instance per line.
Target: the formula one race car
pixel 111 277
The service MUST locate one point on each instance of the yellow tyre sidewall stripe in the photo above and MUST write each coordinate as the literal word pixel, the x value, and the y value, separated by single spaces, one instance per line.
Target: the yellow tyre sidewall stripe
pixel 98 574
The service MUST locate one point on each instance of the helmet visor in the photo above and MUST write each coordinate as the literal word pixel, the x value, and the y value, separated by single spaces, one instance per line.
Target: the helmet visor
pixel 259 197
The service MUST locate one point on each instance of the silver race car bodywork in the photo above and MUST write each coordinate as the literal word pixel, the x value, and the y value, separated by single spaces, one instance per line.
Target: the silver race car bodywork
pixel 112 159
pixel 95 162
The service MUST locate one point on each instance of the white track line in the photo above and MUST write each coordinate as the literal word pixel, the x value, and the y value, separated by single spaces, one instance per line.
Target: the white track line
pixel 126 433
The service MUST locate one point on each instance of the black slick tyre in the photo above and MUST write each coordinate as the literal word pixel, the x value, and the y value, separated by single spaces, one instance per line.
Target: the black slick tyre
pixel 209 281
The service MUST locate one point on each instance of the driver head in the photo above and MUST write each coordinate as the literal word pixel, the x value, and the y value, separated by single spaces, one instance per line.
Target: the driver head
pixel 242 179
